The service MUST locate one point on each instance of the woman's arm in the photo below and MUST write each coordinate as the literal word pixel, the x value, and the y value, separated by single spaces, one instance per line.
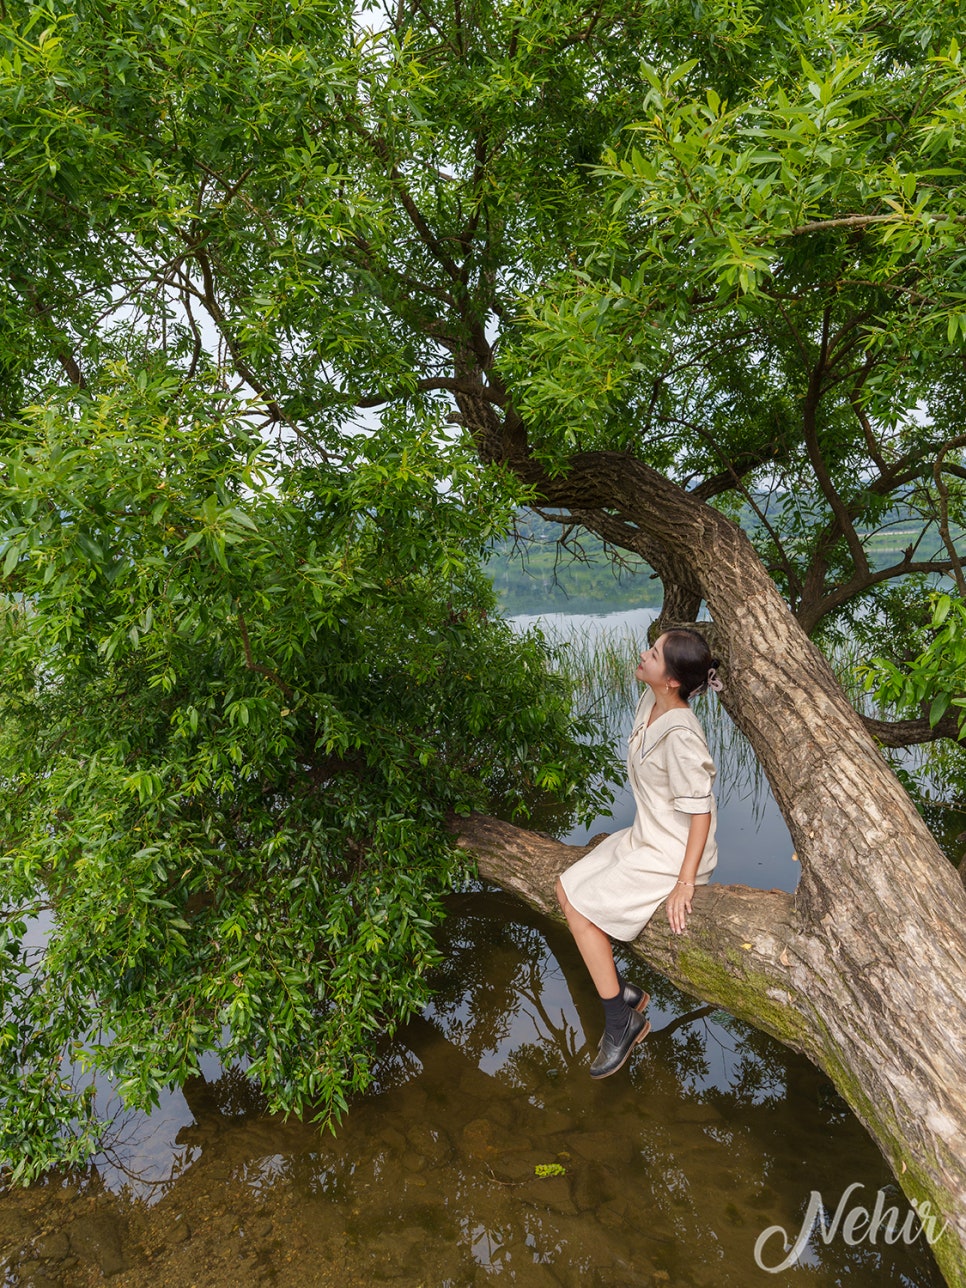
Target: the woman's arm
pixel 679 900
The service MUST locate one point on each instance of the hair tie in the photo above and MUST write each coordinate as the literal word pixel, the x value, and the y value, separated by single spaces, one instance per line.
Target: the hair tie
pixel 713 681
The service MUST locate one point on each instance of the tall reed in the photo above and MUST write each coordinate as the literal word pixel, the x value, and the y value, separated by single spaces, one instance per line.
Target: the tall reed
pixel 599 666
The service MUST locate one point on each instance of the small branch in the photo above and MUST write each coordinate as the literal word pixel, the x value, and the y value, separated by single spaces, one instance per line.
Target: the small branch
pixel 732 478
pixel 799 342
pixel 870 439
pixel 252 665
pixel 197 346
pixel 844 221
pixel 415 215
pixel 230 189
pixel 843 519
pixel 63 355
pixel 208 298
pixel 943 490
pixel 611 529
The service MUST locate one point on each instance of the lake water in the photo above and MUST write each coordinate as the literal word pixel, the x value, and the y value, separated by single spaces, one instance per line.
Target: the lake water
pixel 666 1174
pixel 753 842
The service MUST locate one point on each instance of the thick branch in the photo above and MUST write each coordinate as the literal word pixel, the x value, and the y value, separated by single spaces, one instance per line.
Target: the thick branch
pixel 816 991
pixel 73 371
pixel 431 384
pixel 749 929
pixel 908 733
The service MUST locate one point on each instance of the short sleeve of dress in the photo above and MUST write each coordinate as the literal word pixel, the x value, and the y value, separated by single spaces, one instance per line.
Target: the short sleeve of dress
pixel 690 772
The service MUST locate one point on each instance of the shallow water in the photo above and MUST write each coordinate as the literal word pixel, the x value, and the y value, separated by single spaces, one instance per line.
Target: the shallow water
pixel 669 1171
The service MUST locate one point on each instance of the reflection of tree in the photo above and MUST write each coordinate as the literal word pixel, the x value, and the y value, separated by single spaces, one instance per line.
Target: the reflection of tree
pixel 493 957
pixel 230 1095
pixel 393 1067
pixel 559 1047
pixel 777 1108
pixel 752 1087
pixel 714 1133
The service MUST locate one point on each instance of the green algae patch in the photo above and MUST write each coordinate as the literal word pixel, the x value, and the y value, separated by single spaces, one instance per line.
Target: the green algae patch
pixel 743 991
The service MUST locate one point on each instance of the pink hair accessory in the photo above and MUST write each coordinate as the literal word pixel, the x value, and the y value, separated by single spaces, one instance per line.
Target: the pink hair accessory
pixel 713 682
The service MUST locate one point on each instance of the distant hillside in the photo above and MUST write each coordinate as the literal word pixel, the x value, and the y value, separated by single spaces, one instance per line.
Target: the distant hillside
pixel 531 573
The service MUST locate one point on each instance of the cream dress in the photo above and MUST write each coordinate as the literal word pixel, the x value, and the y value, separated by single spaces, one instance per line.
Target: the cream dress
pixel 620 883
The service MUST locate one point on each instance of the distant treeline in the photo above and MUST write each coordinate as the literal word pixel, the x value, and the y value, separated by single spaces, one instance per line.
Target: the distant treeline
pixel 532 573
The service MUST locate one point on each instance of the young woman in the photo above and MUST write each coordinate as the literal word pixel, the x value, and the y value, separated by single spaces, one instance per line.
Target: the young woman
pixel 669 848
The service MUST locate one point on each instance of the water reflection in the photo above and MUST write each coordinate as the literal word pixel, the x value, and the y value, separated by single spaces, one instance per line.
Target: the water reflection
pixel 670 1170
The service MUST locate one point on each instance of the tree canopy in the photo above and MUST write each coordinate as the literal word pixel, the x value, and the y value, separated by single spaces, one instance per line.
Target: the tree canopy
pixel 774 286
pixel 714 253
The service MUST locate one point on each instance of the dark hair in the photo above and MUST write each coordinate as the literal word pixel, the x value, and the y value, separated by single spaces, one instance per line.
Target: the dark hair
pixel 688 660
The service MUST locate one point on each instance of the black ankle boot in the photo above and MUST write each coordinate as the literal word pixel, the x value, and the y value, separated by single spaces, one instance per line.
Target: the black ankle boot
pixel 612 1054
pixel 635 997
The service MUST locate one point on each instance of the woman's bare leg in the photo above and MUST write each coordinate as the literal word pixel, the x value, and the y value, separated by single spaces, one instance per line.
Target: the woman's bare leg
pixel 593 945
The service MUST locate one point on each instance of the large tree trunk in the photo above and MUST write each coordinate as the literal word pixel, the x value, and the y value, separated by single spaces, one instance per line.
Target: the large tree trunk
pixel 746 951
pixel 865 969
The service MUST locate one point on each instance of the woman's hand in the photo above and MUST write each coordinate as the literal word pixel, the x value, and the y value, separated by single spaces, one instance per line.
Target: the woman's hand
pixel 679 900
pixel 679 906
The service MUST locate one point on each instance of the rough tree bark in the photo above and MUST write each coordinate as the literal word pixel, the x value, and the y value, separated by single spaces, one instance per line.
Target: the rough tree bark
pixel 863 970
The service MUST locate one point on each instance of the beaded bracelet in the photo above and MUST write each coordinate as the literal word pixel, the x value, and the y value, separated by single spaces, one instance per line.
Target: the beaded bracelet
pixel 680 882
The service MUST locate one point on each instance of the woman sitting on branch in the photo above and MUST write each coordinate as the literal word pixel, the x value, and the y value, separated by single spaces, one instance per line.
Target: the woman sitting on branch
pixel 613 891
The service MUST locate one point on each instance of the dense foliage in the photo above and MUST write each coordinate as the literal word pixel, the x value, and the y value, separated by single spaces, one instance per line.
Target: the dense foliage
pixel 240 696
pixel 248 663
pixel 773 281
pixel 937 674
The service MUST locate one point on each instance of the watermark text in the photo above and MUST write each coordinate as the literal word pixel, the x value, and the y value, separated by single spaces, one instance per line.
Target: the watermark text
pixel 855 1224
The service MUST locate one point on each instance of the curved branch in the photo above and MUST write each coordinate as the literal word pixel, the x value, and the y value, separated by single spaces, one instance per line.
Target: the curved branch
pixel 431 384
pixel 809 615
pixel 909 733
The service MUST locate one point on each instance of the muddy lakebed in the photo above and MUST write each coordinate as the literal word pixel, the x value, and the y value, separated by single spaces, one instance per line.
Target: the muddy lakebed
pixel 484 1152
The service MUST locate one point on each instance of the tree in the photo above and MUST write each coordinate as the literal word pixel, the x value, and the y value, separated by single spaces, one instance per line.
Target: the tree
pixel 246 675
pixel 239 703
pixel 655 263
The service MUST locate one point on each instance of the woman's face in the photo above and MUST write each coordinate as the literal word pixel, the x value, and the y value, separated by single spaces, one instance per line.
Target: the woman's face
pixel 650 669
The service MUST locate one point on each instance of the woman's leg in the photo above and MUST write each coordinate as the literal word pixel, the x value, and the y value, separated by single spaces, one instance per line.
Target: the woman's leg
pixel 623 1027
pixel 594 947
